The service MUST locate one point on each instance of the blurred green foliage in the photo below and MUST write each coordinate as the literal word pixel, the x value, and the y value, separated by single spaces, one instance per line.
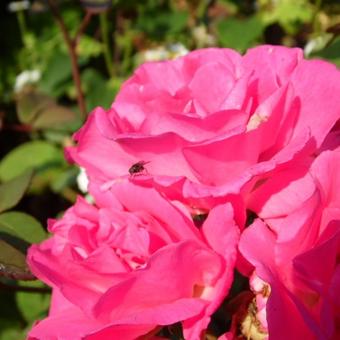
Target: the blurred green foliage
pixel 38 97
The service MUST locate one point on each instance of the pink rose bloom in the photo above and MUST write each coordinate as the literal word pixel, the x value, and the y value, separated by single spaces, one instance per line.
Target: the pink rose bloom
pixel 213 122
pixel 132 265
pixel 297 254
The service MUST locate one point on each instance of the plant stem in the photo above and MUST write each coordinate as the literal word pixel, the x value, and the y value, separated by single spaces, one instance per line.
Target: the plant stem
pixel 18 127
pixel 71 46
pixel 4 286
pixel 24 64
pixel 104 27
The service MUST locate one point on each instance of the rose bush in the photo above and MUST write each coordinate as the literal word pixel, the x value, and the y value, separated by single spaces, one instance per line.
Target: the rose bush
pixel 297 254
pixel 131 265
pixel 213 122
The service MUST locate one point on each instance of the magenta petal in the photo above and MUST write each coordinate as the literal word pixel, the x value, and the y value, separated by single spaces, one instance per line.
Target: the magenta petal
pixel 216 161
pixel 222 234
pixel 280 195
pixel 321 79
pixel 318 270
pixel 148 149
pixel 133 197
pixel 70 324
pixel 166 75
pixel 220 230
pixel 257 246
pixel 226 336
pixel 272 67
pixel 325 170
pixel 188 265
pixel 126 332
pixel 195 129
pixel 211 84
pixel 282 315
pixel 165 314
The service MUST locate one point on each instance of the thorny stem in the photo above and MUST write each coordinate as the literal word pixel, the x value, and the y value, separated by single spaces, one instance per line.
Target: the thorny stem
pixel 17 127
pixel 24 289
pixel 71 46
pixel 82 27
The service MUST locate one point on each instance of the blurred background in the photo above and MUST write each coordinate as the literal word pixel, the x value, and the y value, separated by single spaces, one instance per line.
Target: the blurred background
pixel 61 58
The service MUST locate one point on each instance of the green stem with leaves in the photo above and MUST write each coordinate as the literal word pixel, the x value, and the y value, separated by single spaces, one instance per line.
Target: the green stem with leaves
pixel 71 46
pixel 22 26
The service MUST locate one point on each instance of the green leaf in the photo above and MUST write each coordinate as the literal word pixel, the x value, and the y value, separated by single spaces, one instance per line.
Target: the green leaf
pixel 317 44
pixel 34 154
pixel 54 117
pixel 13 190
pixel 97 89
pixel 58 71
pixel 239 34
pixel 177 21
pixel 65 178
pixel 33 306
pixel 331 52
pixel 45 179
pixel 290 14
pixel 89 47
pixel 12 334
pixel 160 24
pixel 29 103
pixel 10 318
pixel 13 261
pixel 42 112
pixel 23 226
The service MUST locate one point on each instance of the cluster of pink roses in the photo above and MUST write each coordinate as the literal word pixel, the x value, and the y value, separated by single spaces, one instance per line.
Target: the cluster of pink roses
pixel 188 150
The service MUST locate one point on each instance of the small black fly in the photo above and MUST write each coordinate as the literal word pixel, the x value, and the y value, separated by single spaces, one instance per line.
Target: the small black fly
pixel 137 168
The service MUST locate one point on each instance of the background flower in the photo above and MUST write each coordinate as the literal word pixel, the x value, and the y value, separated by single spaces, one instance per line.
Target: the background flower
pixel 297 256
pixel 135 263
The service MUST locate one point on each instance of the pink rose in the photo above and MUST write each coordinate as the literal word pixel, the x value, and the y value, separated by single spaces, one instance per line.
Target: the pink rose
pixel 213 122
pixel 132 265
pixel 295 250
